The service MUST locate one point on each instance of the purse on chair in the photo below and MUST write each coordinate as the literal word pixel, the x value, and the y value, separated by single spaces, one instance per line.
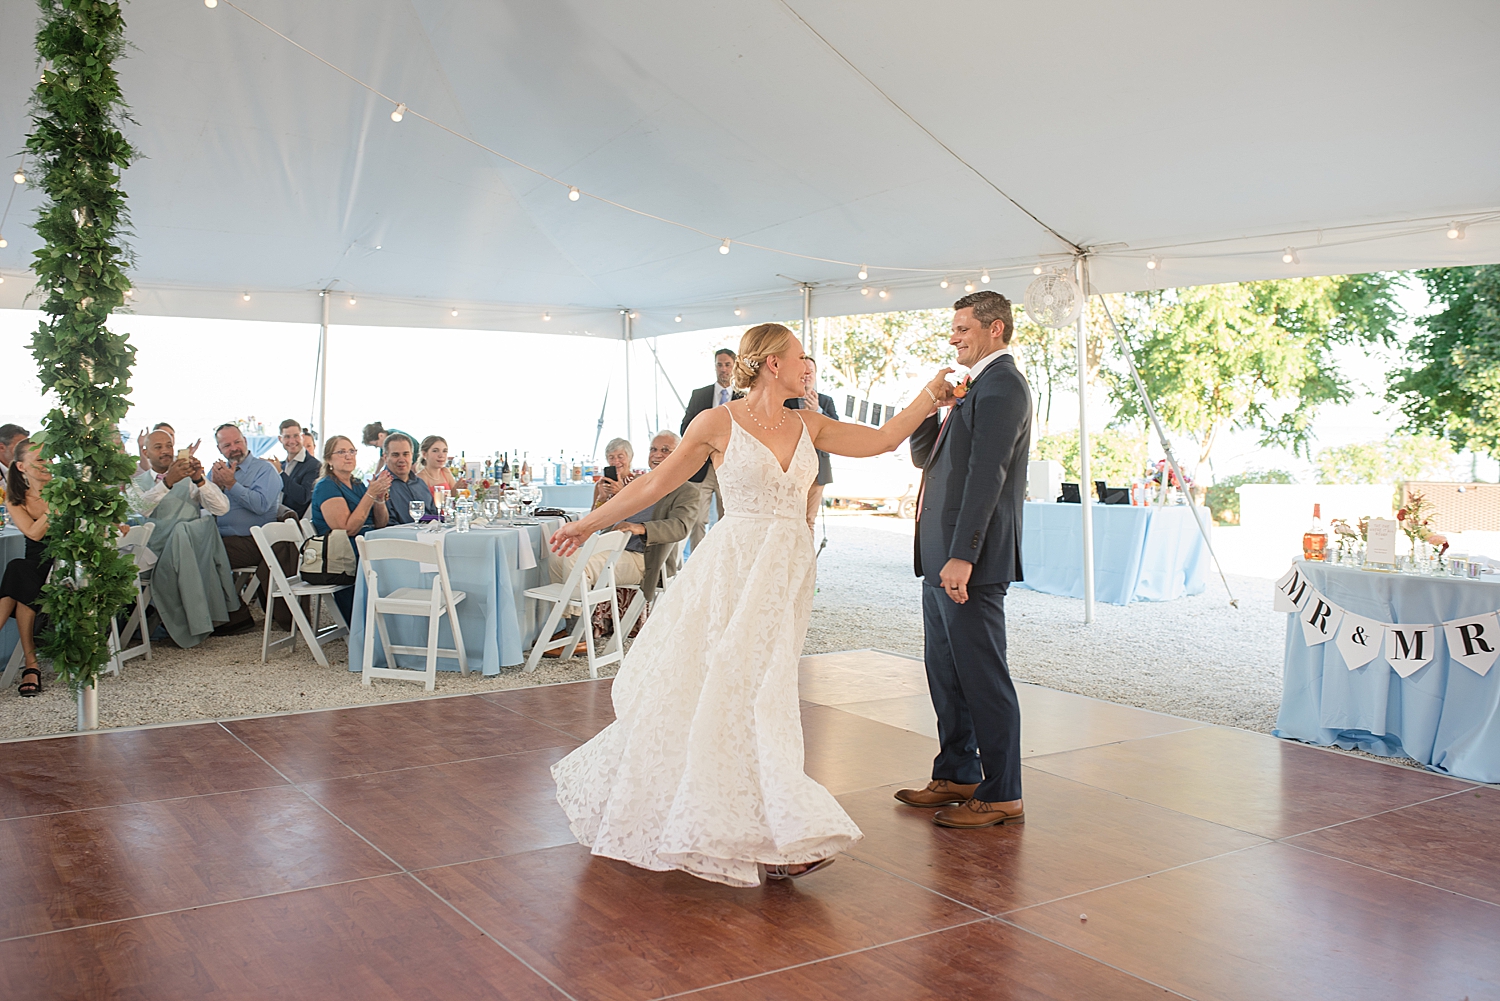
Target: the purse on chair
pixel 328 559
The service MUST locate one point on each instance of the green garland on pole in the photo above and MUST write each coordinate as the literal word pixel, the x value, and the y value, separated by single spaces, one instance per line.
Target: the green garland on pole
pixel 78 151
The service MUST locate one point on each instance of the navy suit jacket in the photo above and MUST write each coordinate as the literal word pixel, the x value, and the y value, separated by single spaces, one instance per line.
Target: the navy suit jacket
pixel 974 479
pixel 297 485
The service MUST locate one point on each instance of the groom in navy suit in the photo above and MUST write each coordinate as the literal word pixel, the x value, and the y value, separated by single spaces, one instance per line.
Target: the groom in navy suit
pixel 968 550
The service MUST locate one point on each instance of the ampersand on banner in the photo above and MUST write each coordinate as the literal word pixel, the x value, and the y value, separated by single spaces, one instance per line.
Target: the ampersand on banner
pixel 1360 640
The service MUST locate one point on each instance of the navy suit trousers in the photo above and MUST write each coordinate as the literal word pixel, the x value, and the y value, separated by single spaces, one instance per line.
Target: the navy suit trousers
pixel 978 716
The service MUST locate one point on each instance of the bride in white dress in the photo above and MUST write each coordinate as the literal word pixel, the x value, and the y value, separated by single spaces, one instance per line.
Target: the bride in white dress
pixel 702 769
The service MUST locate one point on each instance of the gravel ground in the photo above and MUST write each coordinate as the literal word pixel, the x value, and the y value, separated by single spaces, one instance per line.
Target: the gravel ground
pixel 1196 657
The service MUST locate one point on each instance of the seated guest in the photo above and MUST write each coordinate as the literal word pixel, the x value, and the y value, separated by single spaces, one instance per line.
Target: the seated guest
pixel 310 442
pixel 10 436
pixel 298 472
pixel 434 471
pixel 22 583
pixel 406 486
pixel 340 501
pixel 654 532
pixel 192 586
pixel 141 440
pixel 619 454
pixel 253 489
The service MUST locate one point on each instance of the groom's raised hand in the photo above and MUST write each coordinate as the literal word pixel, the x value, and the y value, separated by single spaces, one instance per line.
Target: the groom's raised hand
pixel 955 579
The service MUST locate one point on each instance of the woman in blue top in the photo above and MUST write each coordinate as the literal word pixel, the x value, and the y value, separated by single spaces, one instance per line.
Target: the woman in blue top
pixel 341 501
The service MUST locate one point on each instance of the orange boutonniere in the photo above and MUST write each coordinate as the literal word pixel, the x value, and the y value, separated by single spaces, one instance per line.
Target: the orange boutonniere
pixel 962 389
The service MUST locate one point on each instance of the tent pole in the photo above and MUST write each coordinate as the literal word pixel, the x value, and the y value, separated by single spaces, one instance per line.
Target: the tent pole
pixel 1085 480
pixel 629 421
pixel 809 339
pixel 323 371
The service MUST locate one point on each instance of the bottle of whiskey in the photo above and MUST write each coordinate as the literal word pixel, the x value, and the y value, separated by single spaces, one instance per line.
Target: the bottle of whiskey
pixel 1315 539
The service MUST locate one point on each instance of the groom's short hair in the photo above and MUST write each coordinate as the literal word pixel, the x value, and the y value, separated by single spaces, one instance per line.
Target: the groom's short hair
pixel 988 307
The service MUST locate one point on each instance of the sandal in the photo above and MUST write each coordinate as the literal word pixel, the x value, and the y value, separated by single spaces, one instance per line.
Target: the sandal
pixel 28 689
pixel 783 871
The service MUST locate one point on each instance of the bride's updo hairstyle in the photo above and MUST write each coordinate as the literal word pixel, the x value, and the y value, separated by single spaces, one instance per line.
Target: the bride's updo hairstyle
pixel 758 344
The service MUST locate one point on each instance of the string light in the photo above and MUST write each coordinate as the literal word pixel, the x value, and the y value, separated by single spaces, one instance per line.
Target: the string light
pixel 1037 270
pixel 246 297
pixel 738 311
pixel 865 290
pixel 634 315
pixel 1289 256
pixel 1153 263
pixel 351 300
pixel 400 111
pixel 724 247
pixel 1456 231
pixel 864 272
pixel 677 318
pixel 968 286
pixel 4 242
pixel 210 4
pixel 19 176
pixel 2 279
pixel 130 293
pixel 984 276
pixel 452 312
pixel 572 194
pixel 884 294
pixel 546 316
pixel 943 283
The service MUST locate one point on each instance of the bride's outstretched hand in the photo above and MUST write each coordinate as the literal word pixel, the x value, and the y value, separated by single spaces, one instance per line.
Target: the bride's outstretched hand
pixel 567 540
pixel 941 388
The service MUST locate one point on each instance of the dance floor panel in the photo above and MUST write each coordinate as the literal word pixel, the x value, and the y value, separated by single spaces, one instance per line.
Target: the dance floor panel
pixel 416 850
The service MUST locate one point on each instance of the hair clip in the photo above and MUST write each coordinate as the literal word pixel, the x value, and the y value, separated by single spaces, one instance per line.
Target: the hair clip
pixel 753 366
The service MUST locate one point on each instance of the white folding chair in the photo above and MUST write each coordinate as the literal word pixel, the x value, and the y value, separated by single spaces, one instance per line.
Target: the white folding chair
pixel 291 590
pixel 430 602
pixel 133 540
pixel 576 590
pixel 638 603
pixel 246 583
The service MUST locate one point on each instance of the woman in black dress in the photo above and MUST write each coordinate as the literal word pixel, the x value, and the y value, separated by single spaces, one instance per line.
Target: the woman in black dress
pixel 22 584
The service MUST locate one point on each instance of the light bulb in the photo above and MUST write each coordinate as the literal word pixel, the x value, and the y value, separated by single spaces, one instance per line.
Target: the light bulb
pixel 724 247
pixel 1037 270
pixel 19 177
pixel 677 318
pixel 1289 256
pixel 738 311
pixel 943 283
pixel 884 294
pixel 246 297
pixel 400 110
pixel 210 4
pixel 968 286
pixel 4 242
pixel 1153 263
pixel 546 316
pixel 865 290
pixel 452 312
pixel 351 300
pixel 129 293
pixel 984 276
pixel 1456 231
pixel 864 272
pixel 572 194
pixel 2 279
pixel 634 315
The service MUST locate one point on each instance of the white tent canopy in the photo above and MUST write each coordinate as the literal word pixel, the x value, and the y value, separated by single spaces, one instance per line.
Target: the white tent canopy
pixel 882 132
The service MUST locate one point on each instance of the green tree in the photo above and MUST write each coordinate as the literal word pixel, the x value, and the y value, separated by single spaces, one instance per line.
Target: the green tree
pixel 1254 355
pixel 1452 387
pixel 1116 455
pixel 78 149
pixel 1401 457
pixel 866 350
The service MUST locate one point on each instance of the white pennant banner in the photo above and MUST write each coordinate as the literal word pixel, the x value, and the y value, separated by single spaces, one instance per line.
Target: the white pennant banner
pixel 1409 648
pixel 1320 618
pixel 1360 640
pixel 1292 591
pixel 1474 642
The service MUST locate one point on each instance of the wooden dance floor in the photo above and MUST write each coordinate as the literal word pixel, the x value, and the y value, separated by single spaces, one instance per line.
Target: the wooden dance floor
pixel 414 851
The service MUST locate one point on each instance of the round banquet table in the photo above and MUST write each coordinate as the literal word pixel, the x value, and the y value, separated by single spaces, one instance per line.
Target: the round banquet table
pixel 1443 715
pixel 493 567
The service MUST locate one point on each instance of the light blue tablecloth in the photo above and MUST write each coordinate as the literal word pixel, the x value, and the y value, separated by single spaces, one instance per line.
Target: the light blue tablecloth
pixel 1443 715
pixel 495 618
pixel 1140 553
pixel 569 495
pixel 12 547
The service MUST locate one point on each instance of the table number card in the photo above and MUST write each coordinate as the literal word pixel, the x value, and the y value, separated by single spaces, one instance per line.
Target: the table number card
pixel 1380 542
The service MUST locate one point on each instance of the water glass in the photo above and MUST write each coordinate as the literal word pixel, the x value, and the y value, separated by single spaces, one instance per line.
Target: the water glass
pixel 417 509
pixel 491 508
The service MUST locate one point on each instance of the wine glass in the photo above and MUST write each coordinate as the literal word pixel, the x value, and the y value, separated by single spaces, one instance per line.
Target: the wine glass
pixel 417 510
pixel 491 508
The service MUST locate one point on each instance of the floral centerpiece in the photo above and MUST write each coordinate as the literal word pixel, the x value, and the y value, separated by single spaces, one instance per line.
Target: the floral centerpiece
pixel 1162 476
pixel 1415 519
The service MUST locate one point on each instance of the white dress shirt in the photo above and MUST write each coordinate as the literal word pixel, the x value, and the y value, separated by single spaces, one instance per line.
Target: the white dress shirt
pixel 984 363
pixel 208 496
pixel 722 394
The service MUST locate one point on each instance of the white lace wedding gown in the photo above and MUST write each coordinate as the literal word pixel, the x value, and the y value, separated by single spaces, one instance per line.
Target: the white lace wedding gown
pixel 702 768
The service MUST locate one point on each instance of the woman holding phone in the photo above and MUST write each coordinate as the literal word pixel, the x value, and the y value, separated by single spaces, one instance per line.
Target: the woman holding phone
pixel 22 584
pixel 341 501
pixel 619 455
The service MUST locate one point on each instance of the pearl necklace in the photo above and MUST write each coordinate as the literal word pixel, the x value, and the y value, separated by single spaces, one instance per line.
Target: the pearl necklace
pixel 758 424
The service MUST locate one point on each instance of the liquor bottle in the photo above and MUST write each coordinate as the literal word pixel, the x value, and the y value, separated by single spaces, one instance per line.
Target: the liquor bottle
pixel 577 470
pixel 1315 539
pixel 525 470
pixel 507 475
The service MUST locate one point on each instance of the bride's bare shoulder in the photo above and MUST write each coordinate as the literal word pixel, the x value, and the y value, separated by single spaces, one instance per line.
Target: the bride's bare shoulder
pixel 712 423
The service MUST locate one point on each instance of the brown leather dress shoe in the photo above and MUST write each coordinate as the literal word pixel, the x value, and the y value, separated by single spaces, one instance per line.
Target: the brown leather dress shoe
pixel 977 813
pixel 939 792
